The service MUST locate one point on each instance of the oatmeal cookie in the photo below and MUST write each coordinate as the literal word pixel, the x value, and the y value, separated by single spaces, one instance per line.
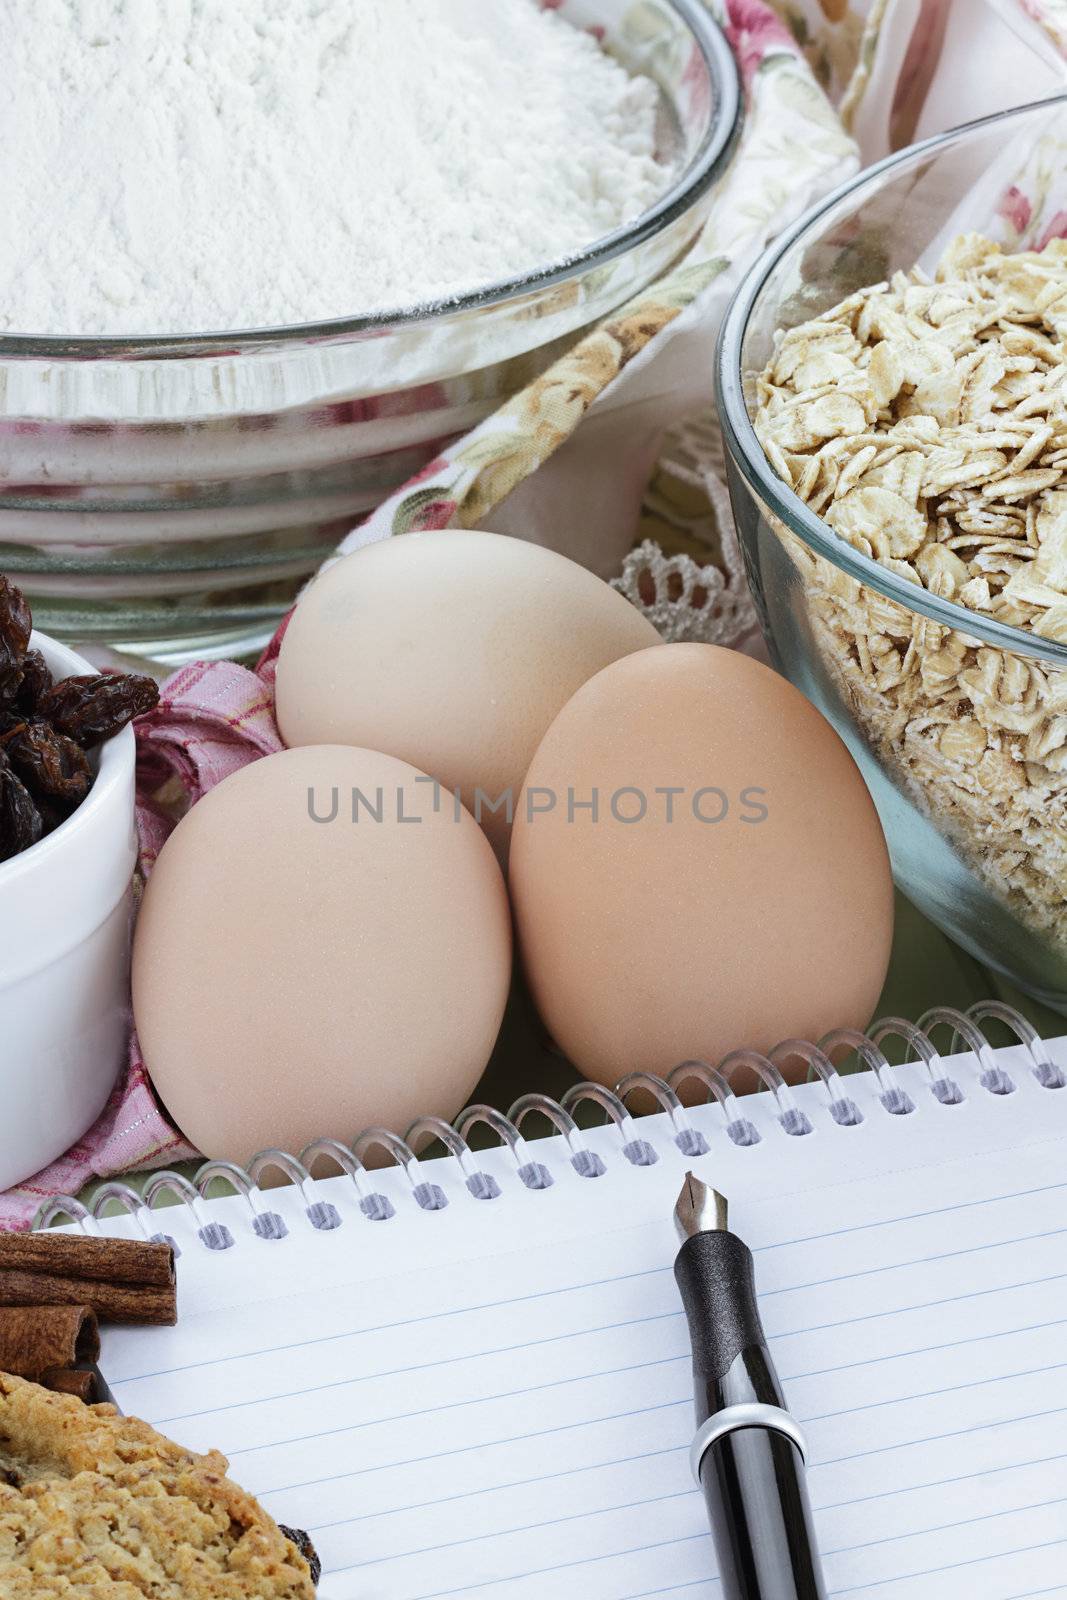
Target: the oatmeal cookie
pixel 97 1506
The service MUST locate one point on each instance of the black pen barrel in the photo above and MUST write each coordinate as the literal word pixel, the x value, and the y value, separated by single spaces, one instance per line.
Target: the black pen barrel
pixel 754 1489
pixel 747 1451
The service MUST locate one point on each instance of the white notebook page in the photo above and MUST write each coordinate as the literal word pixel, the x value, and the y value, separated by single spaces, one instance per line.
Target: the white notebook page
pixel 494 1400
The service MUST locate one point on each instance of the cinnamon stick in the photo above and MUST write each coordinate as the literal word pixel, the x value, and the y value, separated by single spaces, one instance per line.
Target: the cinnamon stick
pixel 72 1380
pixel 122 1280
pixel 35 1339
pixel 73 1255
pixel 112 1302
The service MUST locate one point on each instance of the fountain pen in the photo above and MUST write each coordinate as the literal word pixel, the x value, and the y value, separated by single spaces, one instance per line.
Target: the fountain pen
pixel 748 1453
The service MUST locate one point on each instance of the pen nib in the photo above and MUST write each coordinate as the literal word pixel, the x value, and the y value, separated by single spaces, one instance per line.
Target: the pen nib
pixel 699 1209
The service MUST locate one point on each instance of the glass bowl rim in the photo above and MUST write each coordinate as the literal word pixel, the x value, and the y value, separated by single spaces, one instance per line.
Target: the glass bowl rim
pixel 748 454
pixel 697 176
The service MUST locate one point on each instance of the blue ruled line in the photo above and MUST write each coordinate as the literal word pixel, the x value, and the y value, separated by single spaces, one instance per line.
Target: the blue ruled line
pixel 612 1555
pixel 693 1583
pixel 918 1216
pixel 682 1494
pixel 391 1327
pixel 477 1494
pixel 585 1333
pixel 954 1566
pixel 612 1372
pixel 528 1482
pixel 468 1404
pixel 946 1527
pixel 935 1438
pixel 540 1572
pixel 527 1527
pixel 1001 1468
pixel 430 1366
pixel 626 1278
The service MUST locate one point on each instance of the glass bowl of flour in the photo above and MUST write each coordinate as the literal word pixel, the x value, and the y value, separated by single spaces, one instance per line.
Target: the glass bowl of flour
pixel 398 211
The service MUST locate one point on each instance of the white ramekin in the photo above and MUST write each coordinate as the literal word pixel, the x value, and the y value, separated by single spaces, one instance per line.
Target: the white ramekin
pixel 64 961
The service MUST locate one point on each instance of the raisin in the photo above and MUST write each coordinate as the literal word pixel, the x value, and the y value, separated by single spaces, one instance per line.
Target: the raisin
pixel 52 811
pixel 20 821
pixel 46 728
pixel 298 1537
pixel 15 627
pixel 49 763
pixel 36 679
pixel 92 709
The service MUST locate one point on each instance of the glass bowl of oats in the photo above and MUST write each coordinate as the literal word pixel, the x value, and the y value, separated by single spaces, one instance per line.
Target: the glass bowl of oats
pixel 892 386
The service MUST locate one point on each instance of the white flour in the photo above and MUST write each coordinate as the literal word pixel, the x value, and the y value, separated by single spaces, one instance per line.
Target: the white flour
pixel 180 165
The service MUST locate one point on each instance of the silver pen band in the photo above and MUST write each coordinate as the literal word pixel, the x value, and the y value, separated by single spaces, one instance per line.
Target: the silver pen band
pixel 746 1415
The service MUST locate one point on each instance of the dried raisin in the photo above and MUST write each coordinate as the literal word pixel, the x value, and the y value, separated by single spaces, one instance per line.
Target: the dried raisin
pixel 92 709
pixel 35 680
pixel 46 728
pixel 298 1537
pixel 15 628
pixel 49 763
pixel 21 824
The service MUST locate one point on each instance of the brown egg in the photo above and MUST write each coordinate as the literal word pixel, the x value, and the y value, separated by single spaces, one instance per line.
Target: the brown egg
pixel 733 887
pixel 452 650
pixel 298 973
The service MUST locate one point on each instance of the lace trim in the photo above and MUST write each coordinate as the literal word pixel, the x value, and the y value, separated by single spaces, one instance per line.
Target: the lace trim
pixel 687 576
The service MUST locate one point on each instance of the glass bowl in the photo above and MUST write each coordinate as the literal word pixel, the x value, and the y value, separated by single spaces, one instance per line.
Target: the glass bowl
pixel 169 496
pixel 963 740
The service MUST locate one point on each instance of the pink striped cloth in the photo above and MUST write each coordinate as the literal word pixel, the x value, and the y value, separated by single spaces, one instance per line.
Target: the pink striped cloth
pixel 212 718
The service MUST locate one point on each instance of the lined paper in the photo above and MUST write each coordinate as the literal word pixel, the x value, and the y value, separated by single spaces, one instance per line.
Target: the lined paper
pixel 495 1400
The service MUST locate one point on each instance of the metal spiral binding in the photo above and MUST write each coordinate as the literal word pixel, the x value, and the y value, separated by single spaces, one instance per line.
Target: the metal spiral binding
pixel 267 1224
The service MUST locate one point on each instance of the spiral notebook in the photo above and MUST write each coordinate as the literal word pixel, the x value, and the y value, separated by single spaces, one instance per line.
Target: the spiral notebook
pixel 470 1376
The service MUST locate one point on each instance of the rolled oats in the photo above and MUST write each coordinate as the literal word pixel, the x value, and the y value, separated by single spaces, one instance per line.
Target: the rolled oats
pixel 926 423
